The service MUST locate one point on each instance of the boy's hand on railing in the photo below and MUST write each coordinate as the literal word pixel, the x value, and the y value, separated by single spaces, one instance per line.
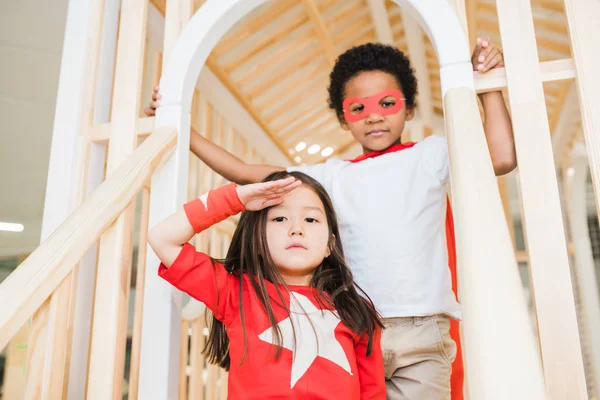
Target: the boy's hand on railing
pixel 486 55
pixel 151 109
pixel 261 195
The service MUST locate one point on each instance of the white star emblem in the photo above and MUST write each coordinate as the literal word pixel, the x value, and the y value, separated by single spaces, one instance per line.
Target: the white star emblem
pixel 204 200
pixel 315 336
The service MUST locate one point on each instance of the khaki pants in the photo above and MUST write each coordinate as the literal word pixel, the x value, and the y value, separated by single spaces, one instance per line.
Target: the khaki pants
pixel 418 354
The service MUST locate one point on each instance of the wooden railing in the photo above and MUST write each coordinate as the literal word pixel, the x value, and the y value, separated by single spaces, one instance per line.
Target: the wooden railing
pixel 26 289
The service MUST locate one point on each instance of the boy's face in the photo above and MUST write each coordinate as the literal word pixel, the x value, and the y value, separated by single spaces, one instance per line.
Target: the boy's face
pixel 376 131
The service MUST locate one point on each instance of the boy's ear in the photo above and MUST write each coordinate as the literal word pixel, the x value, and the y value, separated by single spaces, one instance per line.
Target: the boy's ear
pixel 410 113
pixel 342 121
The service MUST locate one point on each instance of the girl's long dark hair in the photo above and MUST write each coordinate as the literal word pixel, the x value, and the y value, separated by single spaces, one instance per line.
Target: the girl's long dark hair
pixel 249 254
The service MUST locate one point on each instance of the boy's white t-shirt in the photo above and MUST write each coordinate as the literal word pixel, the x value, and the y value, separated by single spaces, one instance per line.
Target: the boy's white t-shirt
pixel 391 211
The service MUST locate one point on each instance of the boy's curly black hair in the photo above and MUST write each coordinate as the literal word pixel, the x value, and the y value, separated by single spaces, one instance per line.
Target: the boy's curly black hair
pixel 371 57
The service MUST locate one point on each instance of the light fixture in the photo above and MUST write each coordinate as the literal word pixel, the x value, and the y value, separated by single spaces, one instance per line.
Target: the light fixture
pixel 11 227
pixel 327 151
pixel 314 149
pixel 300 146
pixel 298 159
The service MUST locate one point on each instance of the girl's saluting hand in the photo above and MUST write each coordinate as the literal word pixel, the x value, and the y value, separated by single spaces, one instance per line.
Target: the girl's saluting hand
pixel 261 195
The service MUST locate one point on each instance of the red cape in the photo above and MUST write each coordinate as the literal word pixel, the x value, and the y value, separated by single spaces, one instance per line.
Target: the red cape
pixel 457 378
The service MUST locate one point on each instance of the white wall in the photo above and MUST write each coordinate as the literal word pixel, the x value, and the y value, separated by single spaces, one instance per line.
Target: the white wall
pixel 31 38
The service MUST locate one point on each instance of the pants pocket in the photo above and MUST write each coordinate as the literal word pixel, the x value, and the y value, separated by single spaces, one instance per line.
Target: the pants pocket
pixel 446 345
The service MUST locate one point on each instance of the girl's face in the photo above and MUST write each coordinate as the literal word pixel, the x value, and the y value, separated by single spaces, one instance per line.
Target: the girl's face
pixel 376 131
pixel 298 235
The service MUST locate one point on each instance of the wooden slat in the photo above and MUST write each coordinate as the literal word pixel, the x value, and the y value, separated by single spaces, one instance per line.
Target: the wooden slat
pixel 550 71
pixel 236 92
pixel 183 359
pixel 321 30
pixel 249 28
pixel 100 133
pixel 557 321
pixel 471 10
pixel 268 65
pixel 109 323
pixel 197 360
pixel 136 337
pixel 276 78
pixel 309 89
pixel 381 21
pixel 307 125
pixel 265 43
pixel 294 118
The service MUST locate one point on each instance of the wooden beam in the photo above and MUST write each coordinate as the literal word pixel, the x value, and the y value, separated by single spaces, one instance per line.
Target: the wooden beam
pixel 381 21
pixel 304 65
pixel 265 43
pixel 239 96
pixel 266 67
pixel 550 274
pixel 321 30
pixel 109 325
pixel 471 9
pixel 251 26
pixel 139 296
pixel 550 71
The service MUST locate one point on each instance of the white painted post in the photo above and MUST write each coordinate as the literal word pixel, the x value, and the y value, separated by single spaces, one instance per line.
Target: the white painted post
pixel 86 277
pixel 159 369
pixel 63 190
pixel 495 327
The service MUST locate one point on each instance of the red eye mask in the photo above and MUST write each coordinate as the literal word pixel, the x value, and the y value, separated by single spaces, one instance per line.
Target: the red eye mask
pixel 372 105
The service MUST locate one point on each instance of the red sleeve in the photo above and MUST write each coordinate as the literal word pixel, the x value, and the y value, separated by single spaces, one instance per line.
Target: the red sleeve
pixel 370 369
pixel 196 274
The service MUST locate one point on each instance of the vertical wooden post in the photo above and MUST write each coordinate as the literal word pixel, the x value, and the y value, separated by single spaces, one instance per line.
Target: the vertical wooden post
pixel 109 327
pixel 16 360
pixel 49 341
pixel 496 329
pixel 197 360
pixel 557 321
pixel 139 296
pixel 159 364
pixel 183 359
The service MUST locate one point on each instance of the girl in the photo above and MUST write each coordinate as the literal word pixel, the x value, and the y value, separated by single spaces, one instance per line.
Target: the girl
pixel 288 319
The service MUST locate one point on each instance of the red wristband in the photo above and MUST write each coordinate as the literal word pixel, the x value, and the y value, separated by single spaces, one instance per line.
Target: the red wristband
pixel 213 207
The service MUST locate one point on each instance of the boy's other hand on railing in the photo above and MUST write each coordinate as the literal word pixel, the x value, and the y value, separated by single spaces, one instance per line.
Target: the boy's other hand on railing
pixel 151 109
pixel 486 55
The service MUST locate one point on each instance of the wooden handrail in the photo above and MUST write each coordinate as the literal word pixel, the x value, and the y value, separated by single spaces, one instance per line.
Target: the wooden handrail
pixel 26 289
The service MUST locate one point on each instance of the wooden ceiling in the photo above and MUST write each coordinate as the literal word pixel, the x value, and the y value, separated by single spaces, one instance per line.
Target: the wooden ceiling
pixel 276 61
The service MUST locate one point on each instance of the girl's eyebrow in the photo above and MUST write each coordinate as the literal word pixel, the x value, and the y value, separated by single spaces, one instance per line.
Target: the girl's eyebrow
pixel 314 209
